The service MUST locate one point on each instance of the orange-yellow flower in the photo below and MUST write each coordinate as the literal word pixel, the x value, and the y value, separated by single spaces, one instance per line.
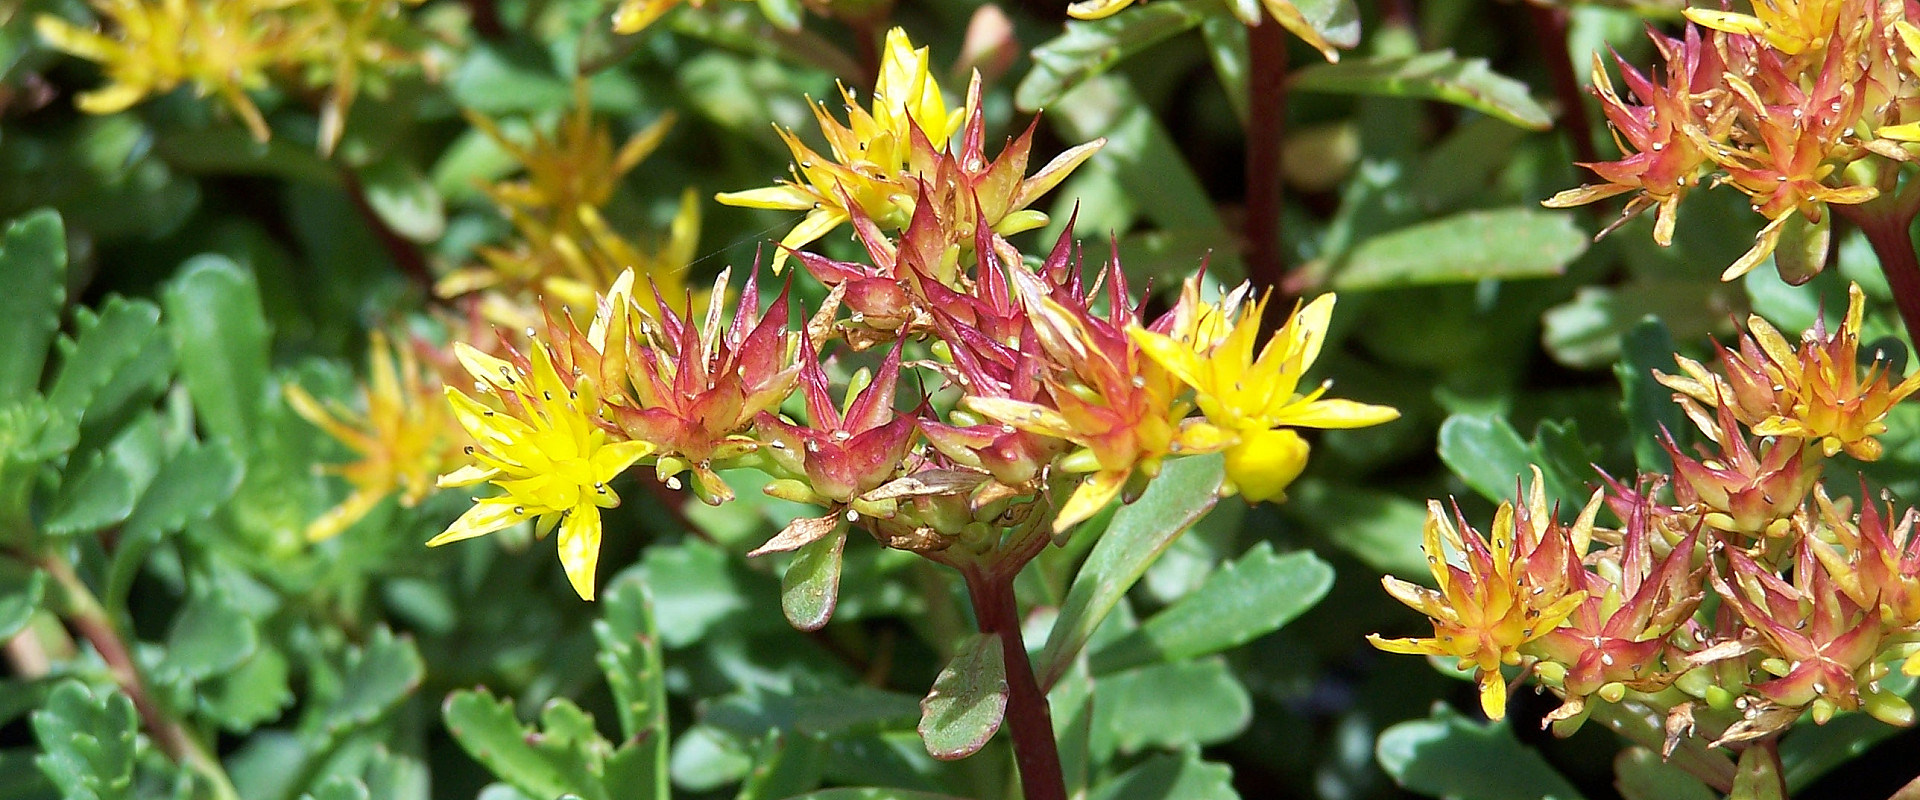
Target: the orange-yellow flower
pixel 1507 590
pixel 869 154
pixel 404 439
pixel 1816 392
pixel 221 47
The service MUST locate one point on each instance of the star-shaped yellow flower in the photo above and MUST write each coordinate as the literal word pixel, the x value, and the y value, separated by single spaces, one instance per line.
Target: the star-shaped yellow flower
pixel 1211 348
pixel 537 439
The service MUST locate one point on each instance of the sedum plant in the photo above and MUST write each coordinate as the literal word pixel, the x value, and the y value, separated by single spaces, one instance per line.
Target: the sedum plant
pixel 868 478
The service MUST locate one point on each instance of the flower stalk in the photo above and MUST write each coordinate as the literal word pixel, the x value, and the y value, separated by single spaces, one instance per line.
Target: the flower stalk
pixel 1029 718
pixel 1887 230
pixel 1266 129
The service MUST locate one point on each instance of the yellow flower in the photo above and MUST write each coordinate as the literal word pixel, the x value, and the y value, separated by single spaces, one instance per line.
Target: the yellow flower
pixel 1211 348
pixel 1790 26
pixel 564 250
pixel 538 439
pixel 1509 589
pixel 221 47
pixel 870 153
pixel 404 439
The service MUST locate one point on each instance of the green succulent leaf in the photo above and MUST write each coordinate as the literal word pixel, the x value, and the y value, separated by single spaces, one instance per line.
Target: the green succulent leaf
pixel 1449 756
pixel 208 638
pixel 1170 777
pixel 1185 491
pixel 87 742
pixel 1439 75
pixel 33 256
pixel 968 699
pixel 563 757
pixel 1091 47
pixel 1243 600
pixel 1503 243
pixel 1134 709
pixel 21 592
pixel 378 676
pixel 219 332
pixel 810 588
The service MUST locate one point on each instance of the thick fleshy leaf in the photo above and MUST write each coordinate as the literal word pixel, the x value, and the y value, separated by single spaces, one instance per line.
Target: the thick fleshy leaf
pixel 209 637
pixel 405 199
pixel 968 699
pixel 33 256
pixel 1134 710
pixel 810 588
pixel 1439 76
pixel 377 677
pixel 1447 755
pixel 1505 243
pixel 1090 47
pixel 20 596
pixel 1169 776
pixel 1244 599
pixel 87 742
pixel 1139 533
pixel 631 659
pixel 1640 774
pixel 219 332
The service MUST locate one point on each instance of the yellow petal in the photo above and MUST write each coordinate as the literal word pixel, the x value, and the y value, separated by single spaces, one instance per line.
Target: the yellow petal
pixel 1493 694
pixel 1263 464
pixel 579 546
pixel 486 516
pixel 1726 21
pixel 1096 9
pixel 1094 493
pixel 483 367
pixel 1178 358
pixel 784 197
pixel 1025 416
pixel 1584 195
pixel 467 475
pixel 1411 647
pixel 817 224
pixel 635 15
pixel 1338 414
pixel 341 517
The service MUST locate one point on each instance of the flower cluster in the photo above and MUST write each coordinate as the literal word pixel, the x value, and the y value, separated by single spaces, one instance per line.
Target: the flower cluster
pixel 886 162
pixel 1735 593
pixel 1805 107
pixel 231 47
pixel 1044 389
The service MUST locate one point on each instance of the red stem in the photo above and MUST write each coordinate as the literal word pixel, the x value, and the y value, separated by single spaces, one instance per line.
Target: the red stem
pixel 1266 127
pixel 1028 717
pixel 1550 26
pixel 1898 261
pixel 405 254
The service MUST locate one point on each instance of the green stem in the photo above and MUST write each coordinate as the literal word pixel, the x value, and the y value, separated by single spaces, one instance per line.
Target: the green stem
pixel 91 620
